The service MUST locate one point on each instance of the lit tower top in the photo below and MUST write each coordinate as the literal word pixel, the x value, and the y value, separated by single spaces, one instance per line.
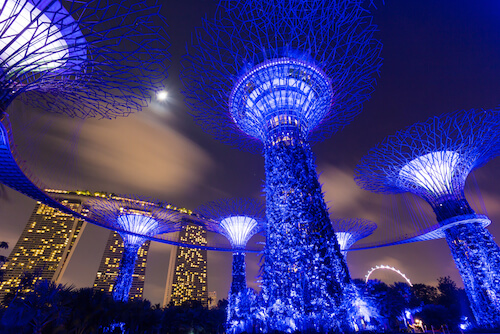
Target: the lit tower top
pixel 300 66
pixel 143 219
pixel 351 230
pixel 278 74
pixel 82 58
pixel 433 160
pixel 238 220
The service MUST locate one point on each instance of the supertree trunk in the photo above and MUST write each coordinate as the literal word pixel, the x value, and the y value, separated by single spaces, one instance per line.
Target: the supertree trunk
pixel 304 271
pixel 238 309
pixel 477 257
pixel 239 283
pixel 124 279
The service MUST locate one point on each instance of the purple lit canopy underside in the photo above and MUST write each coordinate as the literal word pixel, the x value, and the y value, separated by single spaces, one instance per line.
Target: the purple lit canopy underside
pixel 237 219
pixel 82 58
pixel 262 60
pixel 432 159
pixel 139 216
pixel 350 230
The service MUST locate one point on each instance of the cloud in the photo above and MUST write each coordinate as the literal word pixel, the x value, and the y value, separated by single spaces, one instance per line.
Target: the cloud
pixel 141 154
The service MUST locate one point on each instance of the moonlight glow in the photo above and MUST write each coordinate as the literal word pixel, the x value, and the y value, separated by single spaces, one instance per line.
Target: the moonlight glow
pixel 162 95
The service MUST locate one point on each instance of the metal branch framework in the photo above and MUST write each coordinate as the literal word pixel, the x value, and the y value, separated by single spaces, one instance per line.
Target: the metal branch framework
pixel 351 230
pixel 238 220
pixel 433 160
pixel 315 59
pixel 277 74
pixel 141 217
pixel 91 58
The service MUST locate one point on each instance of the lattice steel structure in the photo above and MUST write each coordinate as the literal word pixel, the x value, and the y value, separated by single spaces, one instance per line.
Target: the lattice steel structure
pixel 143 218
pixel 82 58
pixel 432 160
pixel 238 220
pixel 350 230
pixel 277 74
pixel 280 73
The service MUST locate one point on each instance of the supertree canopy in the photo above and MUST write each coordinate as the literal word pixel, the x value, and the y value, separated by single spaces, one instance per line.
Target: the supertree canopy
pixel 143 218
pixel 350 230
pixel 278 74
pixel 82 58
pixel 433 160
pixel 238 220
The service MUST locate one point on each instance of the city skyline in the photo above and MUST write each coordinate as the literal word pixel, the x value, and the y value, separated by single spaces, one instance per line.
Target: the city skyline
pixel 437 58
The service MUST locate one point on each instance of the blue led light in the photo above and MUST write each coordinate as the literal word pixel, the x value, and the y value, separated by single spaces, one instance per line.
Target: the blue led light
pixel 238 220
pixel 280 93
pixel 433 172
pixel 350 230
pixel 89 58
pixel 139 224
pixel 278 75
pixel 433 160
pixel 144 218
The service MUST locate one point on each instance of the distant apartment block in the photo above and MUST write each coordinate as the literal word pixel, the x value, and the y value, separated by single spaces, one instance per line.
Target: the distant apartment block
pixel 45 246
pixel 110 262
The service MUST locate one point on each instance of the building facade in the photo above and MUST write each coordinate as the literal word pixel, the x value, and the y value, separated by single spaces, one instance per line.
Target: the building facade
pixel 189 281
pixel 110 262
pixel 44 249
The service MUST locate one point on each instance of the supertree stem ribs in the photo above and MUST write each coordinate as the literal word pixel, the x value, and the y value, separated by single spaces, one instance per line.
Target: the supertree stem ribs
pixel 140 217
pixel 238 220
pixel 477 257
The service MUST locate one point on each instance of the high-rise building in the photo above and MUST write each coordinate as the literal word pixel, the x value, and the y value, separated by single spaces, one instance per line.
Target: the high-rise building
pixel 110 263
pixel 44 248
pixel 189 279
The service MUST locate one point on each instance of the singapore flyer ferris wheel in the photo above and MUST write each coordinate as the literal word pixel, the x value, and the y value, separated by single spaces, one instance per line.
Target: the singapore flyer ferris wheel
pixel 384 267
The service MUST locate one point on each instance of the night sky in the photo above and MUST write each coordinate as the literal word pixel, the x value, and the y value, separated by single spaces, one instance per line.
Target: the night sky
pixel 439 56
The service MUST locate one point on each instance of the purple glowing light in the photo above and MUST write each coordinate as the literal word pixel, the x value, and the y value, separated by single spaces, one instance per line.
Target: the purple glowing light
pixel 31 39
pixel 139 224
pixel 238 230
pixel 280 92
pixel 433 171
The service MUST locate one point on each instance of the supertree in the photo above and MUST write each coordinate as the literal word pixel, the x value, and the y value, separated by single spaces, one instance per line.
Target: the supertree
pixel 278 74
pixel 81 58
pixel 143 218
pixel 350 230
pixel 238 220
pixel 432 160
